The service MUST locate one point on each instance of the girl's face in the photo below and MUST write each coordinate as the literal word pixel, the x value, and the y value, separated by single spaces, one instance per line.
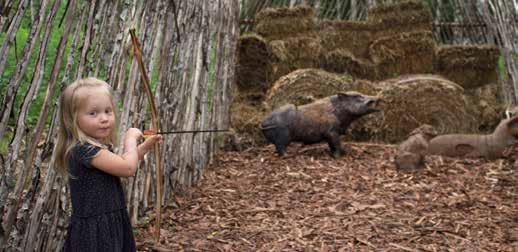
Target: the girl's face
pixel 96 117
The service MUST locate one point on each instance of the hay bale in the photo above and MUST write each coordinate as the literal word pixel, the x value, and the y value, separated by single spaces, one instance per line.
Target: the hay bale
pixel 353 36
pixel 413 100
pixel 281 23
pixel 343 61
pixel 253 66
pixel 405 53
pixel 306 85
pixel 486 106
pixel 294 53
pixel 404 16
pixel 471 66
pixel 245 120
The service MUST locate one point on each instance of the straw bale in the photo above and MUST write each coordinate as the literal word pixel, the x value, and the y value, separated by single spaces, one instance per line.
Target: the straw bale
pixel 405 53
pixel 253 64
pixel 405 16
pixel 245 120
pixel 281 23
pixel 412 100
pixel 470 66
pixel 486 105
pixel 306 85
pixel 294 53
pixel 343 61
pixel 353 36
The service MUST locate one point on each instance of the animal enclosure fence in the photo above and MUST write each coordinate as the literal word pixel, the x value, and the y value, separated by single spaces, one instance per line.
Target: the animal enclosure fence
pixel 188 50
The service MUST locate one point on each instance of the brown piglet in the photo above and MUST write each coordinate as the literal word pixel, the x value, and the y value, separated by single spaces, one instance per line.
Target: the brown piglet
pixel 411 152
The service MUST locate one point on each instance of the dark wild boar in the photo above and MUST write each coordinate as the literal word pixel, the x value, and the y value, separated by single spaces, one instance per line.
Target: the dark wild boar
pixel 411 152
pixel 490 146
pixel 323 120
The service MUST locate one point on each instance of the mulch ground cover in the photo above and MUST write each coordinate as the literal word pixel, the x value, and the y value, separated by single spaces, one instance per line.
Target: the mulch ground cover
pixel 307 201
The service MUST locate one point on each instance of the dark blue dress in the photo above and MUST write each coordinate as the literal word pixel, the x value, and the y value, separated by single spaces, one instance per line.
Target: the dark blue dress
pixel 99 220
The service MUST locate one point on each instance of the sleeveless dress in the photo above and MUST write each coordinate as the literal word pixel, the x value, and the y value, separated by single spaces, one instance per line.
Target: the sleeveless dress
pixel 99 220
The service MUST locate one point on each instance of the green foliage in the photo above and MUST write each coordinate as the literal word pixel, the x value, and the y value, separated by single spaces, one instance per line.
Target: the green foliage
pixel 14 57
pixel 156 65
pixel 212 73
pixel 4 143
pixel 219 138
pixel 501 68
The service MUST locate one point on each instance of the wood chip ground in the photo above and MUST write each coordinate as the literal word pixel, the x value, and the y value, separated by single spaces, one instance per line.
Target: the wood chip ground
pixel 308 201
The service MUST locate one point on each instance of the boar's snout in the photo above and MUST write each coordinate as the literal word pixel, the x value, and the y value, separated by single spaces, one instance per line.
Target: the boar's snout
pixel 370 105
pixel 356 103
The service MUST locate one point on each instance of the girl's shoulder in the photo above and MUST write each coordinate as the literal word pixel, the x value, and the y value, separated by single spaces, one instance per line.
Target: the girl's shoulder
pixel 86 151
pixel 85 148
pixel 83 152
pixel 88 148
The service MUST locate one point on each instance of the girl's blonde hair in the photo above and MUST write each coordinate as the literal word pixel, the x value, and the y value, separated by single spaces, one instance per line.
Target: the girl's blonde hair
pixel 69 134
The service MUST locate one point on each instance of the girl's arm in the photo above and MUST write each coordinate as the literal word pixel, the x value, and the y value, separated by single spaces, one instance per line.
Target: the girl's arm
pixel 124 165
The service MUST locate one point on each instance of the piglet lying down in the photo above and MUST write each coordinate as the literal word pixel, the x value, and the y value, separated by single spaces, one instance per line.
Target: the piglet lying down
pixel 489 146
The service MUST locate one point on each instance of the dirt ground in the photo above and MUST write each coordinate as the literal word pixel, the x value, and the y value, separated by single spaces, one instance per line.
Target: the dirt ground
pixel 308 201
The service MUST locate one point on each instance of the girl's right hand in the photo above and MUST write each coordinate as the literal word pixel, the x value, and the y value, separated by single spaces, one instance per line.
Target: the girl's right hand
pixel 134 133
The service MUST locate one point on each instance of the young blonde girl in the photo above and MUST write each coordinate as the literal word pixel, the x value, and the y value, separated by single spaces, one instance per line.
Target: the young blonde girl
pixel 99 220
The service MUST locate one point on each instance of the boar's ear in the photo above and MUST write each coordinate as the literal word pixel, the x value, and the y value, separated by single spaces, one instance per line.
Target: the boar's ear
pixel 342 94
pixel 512 126
pixel 348 94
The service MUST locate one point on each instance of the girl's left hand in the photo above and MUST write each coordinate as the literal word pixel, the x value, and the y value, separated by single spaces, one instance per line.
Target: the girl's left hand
pixel 148 144
pixel 153 138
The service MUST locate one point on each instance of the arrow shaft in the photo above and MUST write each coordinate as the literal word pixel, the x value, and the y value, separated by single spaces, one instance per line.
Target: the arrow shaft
pixel 190 131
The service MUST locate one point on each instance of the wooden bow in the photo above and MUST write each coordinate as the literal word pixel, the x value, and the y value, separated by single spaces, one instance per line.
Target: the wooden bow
pixel 137 53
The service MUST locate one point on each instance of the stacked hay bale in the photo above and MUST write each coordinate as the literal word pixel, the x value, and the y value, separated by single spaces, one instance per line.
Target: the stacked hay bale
pixel 474 67
pixel 345 50
pixel 245 120
pixel 469 66
pixel 294 53
pixel 405 16
pixel 282 23
pixel 350 36
pixel 246 109
pixel 412 100
pixel 404 43
pixel 307 85
pixel 486 105
pixel 396 39
pixel 292 37
pixel 404 53
pixel 253 65
pixel 343 61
